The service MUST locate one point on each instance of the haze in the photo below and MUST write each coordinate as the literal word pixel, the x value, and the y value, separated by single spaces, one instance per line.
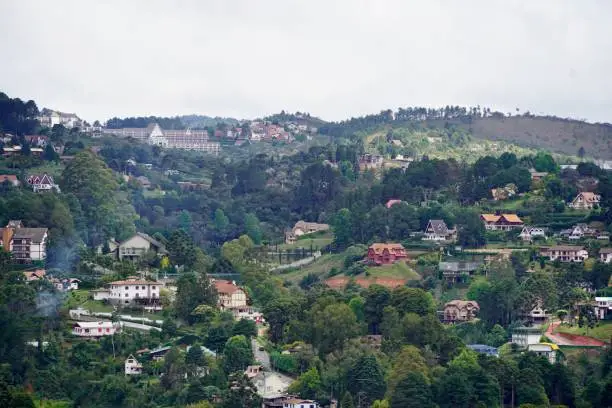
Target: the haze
pixel 334 59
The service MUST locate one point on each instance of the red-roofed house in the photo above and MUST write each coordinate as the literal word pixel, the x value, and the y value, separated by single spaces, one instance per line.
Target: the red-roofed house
pixel 502 222
pixel 231 296
pixel 382 254
pixel 392 202
pixel 42 182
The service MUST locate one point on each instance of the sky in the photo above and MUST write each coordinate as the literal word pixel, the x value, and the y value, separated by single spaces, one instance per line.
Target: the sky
pixel 335 59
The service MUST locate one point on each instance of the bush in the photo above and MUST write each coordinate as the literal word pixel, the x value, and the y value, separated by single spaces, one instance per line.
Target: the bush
pixel 284 362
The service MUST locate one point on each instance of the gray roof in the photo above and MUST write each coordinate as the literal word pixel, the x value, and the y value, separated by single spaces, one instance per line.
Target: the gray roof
pixel 439 226
pixel 605 251
pixel 458 266
pixel 35 234
pixel 153 241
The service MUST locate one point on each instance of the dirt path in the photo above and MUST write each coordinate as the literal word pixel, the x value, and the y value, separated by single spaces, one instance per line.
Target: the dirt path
pixel 566 339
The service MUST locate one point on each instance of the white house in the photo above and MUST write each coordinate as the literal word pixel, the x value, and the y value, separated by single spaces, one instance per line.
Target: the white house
pixel 94 329
pixel 530 233
pixel 565 253
pixel 585 201
pixel 299 403
pixel 524 336
pixel 132 366
pixel 605 255
pixel 231 296
pixel 548 350
pixel 133 291
pixel 42 182
pixel 438 231
pixel 603 305
pixel 136 246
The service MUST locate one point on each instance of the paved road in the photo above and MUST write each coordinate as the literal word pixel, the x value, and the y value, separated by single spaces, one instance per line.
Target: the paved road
pixel 261 356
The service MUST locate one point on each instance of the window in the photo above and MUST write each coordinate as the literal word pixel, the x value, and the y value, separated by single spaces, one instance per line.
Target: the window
pixel 127 288
pixel 127 301
pixel 152 287
pixel 100 330
pixel 126 295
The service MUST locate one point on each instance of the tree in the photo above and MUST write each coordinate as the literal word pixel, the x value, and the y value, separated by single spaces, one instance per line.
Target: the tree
pixel 562 314
pixel 377 297
pixel 308 385
pixel 347 401
pixel 195 357
pixel 367 379
pixel 278 313
pixel 181 248
pixel 221 221
pixel 252 228
pixel 471 229
pixel 454 391
pixel 412 391
pixel 242 393
pixel 193 290
pixel 245 327
pixel 333 326
pixel 342 226
pixel 237 354
pixel 50 154
pixel 581 152
pixel 408 360
pixel 412 300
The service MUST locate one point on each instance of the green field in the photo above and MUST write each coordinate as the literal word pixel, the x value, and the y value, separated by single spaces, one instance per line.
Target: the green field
pixel 399 270
pixel 603 330
pixel 319 267
pixel 80 298
pixel 315 241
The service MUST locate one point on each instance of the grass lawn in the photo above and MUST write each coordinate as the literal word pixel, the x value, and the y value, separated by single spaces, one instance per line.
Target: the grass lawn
pixel 398 270
pixel 317 241
pixel 603 330
pixel 80 298
pixel 319 267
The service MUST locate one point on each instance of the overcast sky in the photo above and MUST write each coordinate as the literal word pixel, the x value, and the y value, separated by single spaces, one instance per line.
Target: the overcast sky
pixel 332 58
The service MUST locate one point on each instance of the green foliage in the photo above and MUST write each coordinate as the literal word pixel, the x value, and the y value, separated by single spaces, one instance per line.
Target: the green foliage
pixel 237 354
pixel 308 385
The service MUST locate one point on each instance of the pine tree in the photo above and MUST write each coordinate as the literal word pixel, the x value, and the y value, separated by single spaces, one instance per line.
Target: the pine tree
pixel 412 391
pixel 347 401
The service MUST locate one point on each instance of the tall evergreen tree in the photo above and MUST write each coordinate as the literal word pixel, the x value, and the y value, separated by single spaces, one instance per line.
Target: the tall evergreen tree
pixel 413 391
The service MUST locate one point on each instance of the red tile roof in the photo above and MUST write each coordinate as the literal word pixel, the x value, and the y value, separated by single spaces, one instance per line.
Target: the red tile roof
pixel 226 287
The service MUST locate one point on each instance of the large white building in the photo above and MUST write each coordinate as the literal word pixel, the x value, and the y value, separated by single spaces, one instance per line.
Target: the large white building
pixel 603 305
pixel 186 139
pixel 132 292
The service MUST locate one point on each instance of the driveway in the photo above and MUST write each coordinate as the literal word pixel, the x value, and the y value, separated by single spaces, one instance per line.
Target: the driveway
pixel 261 356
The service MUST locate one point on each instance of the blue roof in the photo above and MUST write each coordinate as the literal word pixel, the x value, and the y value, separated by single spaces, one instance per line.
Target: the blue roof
pixel 483 348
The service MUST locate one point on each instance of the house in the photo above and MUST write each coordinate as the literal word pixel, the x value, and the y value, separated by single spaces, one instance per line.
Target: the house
pixel 537 315
pixel 537 175
pixel 253 371
pixel 65 285
pixel 460 311
pixel 383 254
pixel 94 329
pixel 484 349
pixel 565 253
pixel 579 231
pixel 50 118
pixel 144 182
pixel 370 162
pixel 10 178
pixel 42 182
pixel 25 244
pixel 283 401
pixel 137 246
pixel 605 255
pixel 455 271
pixel 35 275
pixel 132 291
pixel 524 336
pixel 502 222
pixel 37 140
pixel 585 201
pixel 300 403
pixel 132 366
pixel 392 202
pixel 159 353
pixel 304 228
pixel 603 306
pixel 531 233
pixel 230 295
pixel 438 231
pixel 548 350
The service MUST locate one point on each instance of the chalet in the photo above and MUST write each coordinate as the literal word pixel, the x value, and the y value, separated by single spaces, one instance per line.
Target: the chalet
pixel 531 233
pixel 132 366
pixel 565 253
pixel 383 254
pixel 392 202
pixel 458 270
pixel 94 329
pixel 304 228
pixel 438 231
pixel 10 178
pixel 585 201
pixel 159 353
pixel 300 403
pixel 502 222
pixel 605 255
pixel 460 311
pixel 136 246
pixel 25 244
pixel 603 307
pixel 230 295
pixel 579 231
pixel 42 182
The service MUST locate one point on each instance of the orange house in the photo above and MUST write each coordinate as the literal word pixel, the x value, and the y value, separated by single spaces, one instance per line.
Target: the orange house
pixel 384 254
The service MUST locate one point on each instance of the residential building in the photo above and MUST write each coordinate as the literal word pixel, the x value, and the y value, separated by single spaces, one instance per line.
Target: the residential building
pixel 502 222
pixel 230 295
pixel 94 329
pixel 132 366
pixel 605 255
pixel 304 228
pixel 455 271
pixel 585 201
pixel 35 275
pixel 50 118
pixel 537 175
pixel 524 336
pixel 531 233
pixel 460 311
pixel 548 350
pixel 25 244
pixel 484 349
pixel 383 254
pixel 392 202
pixel 565 253
pixel 42 182
pixel 503 193
pixel 438 231
pixel 10 178
pixel 65 285
pixel 136 246
pixel 370 162
pixel 186 139
pixel 603 306
pixel 37 140
pixel 300 403
pixel 579 231
pixel 132 291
